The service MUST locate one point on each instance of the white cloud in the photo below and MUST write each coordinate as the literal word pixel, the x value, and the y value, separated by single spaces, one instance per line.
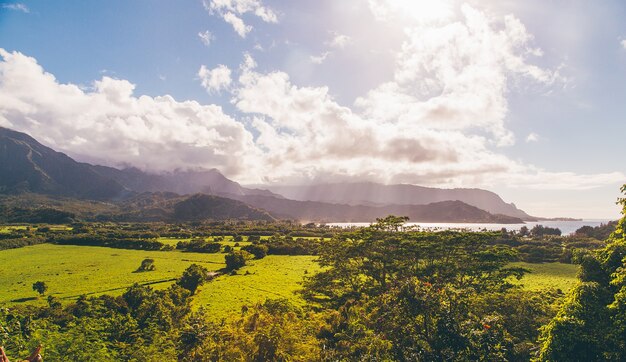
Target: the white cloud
pixel 455 75
pixel 532 137
pixel 233 10
pixel 17 7
pixel 206 37
pixel 238 25
pixel 306 135
pixel 423 11
pixel 110 125
pixel 319 59
pixel 216 79
pixel 623 43
pixel 436 122
pixel 339 41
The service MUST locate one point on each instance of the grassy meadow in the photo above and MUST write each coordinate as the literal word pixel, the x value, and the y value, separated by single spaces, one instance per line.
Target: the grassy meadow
pixel 275 276
pixel 548 275
pixel 70 271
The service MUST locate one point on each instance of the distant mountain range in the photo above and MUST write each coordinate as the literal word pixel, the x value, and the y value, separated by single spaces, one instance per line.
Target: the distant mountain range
pixel 28 167
pixel 368 193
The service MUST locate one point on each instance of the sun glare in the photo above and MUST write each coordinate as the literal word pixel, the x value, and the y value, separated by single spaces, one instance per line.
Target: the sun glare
pixel 422 10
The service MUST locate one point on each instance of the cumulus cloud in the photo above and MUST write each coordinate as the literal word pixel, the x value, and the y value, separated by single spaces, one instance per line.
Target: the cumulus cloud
pixel 216 79
pixel 237 23
pixel 339 41
pixel 319 59
pixel 623 43
pixel 437 122
pixel 17 7
pixel 454 75
pixel 109 125
pixel 233 10
pixel 206 37
pixel 306 135
pixel 532 137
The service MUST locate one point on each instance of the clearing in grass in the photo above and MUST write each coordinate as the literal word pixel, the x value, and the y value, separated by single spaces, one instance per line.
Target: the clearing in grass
pixel 548 275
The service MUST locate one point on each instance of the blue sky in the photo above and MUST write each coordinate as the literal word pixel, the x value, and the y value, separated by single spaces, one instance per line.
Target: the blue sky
pixel 522 98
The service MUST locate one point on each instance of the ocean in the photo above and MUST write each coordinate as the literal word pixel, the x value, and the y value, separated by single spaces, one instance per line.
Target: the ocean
pixel 566 227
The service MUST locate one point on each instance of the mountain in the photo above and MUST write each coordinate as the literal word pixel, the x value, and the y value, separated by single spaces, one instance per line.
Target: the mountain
pixel 443 211
pixel 181 182
pixel 146 207
pixel 163 206
pixel 367 193
pixel 28 166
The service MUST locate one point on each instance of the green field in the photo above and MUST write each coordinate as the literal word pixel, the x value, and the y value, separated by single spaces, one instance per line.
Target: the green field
pixel 70 271
pixel 549 275
pixel 275 276
pixel 10 228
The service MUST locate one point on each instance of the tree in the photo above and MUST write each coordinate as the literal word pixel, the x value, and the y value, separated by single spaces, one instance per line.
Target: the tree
pixel 523 231
pixel 147 265
pixel 40 287
pixel 539 231
pixel 236 259
pixel 259 251
pixel 193 277
pixel 390 223
pixel 591 324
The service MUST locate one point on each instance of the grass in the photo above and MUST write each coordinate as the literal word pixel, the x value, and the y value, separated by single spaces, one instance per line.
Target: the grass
pixel 228 240
pixel 10 228
pixel 171 241
pixel 549 275
pixel 70 271
pixel 275 276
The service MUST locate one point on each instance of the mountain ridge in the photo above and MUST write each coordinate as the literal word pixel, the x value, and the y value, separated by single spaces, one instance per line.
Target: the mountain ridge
pixel 28 166
pixel 374 194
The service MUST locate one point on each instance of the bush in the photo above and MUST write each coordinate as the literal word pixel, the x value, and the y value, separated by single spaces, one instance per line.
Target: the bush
pixel 193 277
pixel 259 251
pixel 40 287
pixel 236 259
pixel 199 246
pixel 147 265
pixel 253 238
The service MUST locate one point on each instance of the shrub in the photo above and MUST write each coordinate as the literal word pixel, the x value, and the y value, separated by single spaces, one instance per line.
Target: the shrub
pixel 236 259
pixel 193 277
pixel 259 251
pixel 147 265
pixel 40 287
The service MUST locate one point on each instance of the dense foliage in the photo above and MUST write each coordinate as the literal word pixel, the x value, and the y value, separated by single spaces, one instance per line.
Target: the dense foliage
pixel 383 293
pixel 591 325
pixel 111 242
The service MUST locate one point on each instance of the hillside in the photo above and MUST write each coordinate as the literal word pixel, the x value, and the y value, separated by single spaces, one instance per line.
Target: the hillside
pixel 210 182
pixel 28 166
pixel 444 211
pixel 367 193
pixel 146 207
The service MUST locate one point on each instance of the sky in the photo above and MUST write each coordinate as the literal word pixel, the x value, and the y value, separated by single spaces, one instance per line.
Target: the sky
pixel 523 98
